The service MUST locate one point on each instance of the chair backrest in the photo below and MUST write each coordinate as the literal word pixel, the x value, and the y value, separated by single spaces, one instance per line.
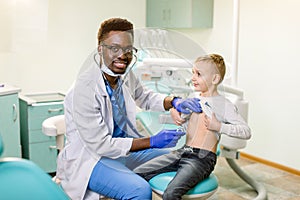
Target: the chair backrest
pixel 23 179
pixel 236 96
pixel 55 126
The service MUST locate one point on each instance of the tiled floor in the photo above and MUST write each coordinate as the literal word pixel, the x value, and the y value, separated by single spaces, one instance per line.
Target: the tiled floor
pixel 280 185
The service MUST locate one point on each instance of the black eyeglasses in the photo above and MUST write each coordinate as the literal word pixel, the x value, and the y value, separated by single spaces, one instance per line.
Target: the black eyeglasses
pixel 115 49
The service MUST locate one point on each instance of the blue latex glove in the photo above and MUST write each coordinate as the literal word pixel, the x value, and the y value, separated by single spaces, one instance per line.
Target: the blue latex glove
pixel 187 106
pixel 165 138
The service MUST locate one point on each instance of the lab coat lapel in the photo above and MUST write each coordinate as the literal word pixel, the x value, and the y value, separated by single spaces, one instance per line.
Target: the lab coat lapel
pixel 129 105
pixel 107 113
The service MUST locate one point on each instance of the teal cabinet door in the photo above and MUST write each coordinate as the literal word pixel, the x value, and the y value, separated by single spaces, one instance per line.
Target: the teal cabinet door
pixel 9 125
pixel 179 13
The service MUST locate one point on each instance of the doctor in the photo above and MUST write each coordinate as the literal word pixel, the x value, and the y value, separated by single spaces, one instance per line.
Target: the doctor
pixel 103 146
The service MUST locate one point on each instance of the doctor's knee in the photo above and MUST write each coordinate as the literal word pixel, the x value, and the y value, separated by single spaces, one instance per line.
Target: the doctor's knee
pixel 141 190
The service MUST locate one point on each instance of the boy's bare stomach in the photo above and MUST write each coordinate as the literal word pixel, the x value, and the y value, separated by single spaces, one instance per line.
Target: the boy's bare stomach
pixel 198 136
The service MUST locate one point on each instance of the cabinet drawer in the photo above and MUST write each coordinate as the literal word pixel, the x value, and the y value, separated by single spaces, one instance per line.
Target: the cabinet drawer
pixel 45 109
pixel 37 114
pixel 38 136
pixel 36 123
pixel 44 155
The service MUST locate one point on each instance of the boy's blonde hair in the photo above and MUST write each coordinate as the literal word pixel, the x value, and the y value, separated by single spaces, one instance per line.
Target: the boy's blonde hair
pixel 217 61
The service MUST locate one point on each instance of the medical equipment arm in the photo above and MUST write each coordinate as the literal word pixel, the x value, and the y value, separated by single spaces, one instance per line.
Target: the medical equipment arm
pixel 165 138
pixel 187 106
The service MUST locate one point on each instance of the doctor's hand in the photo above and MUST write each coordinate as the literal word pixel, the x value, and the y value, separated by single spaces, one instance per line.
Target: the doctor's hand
pixel 187 106
pixel 165 138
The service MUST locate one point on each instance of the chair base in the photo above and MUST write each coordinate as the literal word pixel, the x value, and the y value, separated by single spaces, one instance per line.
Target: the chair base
pixel 191 196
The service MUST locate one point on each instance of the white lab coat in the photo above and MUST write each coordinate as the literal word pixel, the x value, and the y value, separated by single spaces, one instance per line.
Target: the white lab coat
pixel 89 120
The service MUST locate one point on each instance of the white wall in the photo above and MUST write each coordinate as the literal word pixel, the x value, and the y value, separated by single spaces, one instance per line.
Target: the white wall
pixel 43 43
pixel 269 73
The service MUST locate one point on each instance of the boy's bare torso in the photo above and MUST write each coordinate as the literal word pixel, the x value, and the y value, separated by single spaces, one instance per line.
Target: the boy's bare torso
pixel 198 136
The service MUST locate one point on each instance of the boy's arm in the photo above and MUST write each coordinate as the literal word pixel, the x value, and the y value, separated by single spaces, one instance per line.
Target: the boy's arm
pixel 234 125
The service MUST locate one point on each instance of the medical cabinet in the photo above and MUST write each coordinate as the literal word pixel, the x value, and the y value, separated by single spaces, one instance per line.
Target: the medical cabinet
pixel 34 109
pixel 9 120
pixel 179 13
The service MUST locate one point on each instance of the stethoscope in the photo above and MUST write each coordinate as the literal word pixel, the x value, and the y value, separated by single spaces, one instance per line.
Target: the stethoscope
pixel 116 93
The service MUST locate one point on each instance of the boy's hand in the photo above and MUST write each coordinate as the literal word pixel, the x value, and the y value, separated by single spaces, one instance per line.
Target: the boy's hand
pixel 212 123
pixel 176 117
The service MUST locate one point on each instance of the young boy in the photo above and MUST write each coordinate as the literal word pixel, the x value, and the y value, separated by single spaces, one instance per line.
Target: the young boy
pixel 197 159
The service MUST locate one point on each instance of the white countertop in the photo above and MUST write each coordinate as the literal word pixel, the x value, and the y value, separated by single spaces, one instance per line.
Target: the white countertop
pixel 8 89
pixel 42 97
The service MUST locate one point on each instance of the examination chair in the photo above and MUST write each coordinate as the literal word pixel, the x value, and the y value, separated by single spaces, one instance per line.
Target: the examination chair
pixel 153 122
pixel 22 179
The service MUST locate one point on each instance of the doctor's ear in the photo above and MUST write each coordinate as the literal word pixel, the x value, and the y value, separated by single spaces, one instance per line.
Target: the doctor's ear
pixel 100 50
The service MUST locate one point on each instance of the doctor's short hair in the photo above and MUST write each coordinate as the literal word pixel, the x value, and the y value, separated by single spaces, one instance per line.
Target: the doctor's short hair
pixel 217 61
pixel 113 24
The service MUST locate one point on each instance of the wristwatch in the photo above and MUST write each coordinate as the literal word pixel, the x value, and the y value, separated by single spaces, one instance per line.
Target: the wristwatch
pixel 172 98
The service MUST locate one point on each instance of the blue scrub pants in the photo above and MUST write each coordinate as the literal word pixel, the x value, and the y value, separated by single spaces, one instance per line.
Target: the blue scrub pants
pixel 115 179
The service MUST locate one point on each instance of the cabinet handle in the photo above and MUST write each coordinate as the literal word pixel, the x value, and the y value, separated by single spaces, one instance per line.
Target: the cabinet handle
pixel 164 14
pixel 15 112
pixel 55 110
pixel 52 147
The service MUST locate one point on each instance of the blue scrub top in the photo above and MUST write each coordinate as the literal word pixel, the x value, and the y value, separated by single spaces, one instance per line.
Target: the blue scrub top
pixel 119 109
